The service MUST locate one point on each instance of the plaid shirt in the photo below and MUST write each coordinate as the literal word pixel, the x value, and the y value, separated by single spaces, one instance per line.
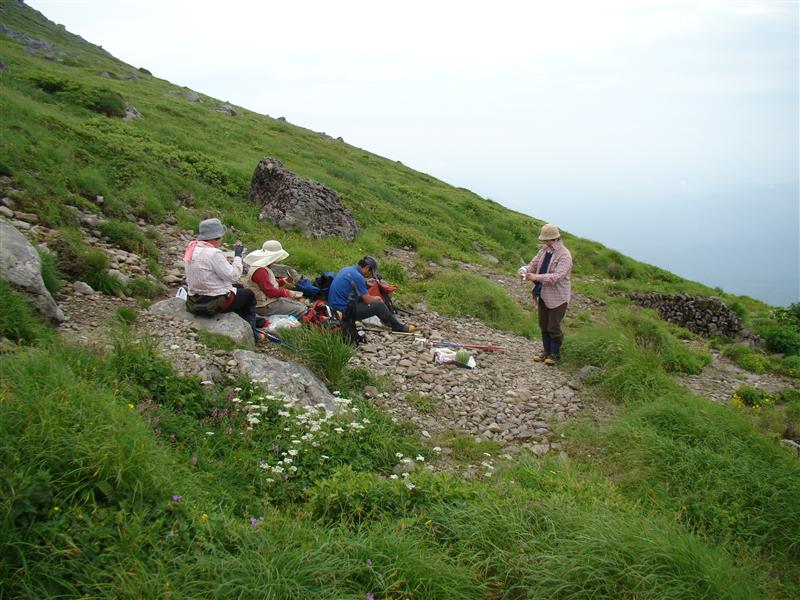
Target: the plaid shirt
pixel 210 274
pixel 556 286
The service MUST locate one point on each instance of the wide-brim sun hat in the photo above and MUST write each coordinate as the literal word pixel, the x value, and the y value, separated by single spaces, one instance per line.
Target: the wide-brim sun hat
pixel 549 232
pixel 271 252
pixel 210 229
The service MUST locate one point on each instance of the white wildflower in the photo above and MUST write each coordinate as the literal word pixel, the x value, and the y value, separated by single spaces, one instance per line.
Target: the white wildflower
pixel 292 452
pixel 392 476
pixel 288 460
pixel 420 457
pixel 324 456
pixel 437 449
pixel 398 454
pixel 237 400
pixel 338 430
pixel 209 433
pixel 410 485
pixel 293 469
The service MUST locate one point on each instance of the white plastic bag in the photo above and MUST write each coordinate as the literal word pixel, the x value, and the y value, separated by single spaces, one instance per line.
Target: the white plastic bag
pixel 283 322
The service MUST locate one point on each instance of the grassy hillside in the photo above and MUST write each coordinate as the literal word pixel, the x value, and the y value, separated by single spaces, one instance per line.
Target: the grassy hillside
pixel 120 479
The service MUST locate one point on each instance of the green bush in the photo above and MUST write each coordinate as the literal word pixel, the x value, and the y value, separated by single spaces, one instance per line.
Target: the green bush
pixel 141 287
pixel 126 316
pixel 790 365
pixel 747 358
pixel 753 397
pixel 17 319
pixel 128 237
pixel 779 337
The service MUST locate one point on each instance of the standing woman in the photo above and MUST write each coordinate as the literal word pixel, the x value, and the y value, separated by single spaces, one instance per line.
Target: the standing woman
pixel 210 277
pixel 550 271
pixel 271 299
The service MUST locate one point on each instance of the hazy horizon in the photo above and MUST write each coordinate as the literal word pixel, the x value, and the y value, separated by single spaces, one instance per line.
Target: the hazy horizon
pixel 666 130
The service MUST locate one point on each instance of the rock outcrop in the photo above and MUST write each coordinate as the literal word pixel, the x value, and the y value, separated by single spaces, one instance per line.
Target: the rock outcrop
pixel 699 314
pixel 297 204
pixel 21 266
pixel 227 324
pixel 288 379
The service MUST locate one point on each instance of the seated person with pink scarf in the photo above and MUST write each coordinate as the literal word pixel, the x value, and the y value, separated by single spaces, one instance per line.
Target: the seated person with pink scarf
pixel 210 277
pixel 271 298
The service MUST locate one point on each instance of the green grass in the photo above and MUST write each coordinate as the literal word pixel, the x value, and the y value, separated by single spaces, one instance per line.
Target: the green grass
pixel 464 294
pixel 422 402
pixel 17 319
pixel 118 478
pixel 325 351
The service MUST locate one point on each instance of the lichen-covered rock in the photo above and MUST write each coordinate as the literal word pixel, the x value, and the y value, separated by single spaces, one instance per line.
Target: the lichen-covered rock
pixel 297 204
pixel 227 324
pixel 21 266
pixel 288 379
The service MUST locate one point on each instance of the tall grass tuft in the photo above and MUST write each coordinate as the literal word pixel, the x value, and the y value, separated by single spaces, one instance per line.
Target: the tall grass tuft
pixel 325 351
pixel 17 320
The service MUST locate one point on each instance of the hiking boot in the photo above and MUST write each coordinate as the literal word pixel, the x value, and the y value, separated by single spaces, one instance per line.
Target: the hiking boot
pixel 540 357
pixel 260 335
pixel 550 361
pixel 409 328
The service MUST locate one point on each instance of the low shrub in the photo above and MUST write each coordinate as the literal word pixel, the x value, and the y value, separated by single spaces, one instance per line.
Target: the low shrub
pixel 747 395
pixel 747 358
pixel 790 365
pixel 128 237
pixel 141 287
pixel 780 337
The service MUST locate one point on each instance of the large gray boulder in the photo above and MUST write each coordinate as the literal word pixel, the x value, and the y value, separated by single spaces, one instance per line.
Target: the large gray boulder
pixel 297 204
pixel 288 379
pixel 227 324
pixel 21 266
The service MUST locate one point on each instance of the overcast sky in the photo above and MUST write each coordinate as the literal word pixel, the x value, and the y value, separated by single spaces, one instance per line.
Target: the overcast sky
pixel 643 125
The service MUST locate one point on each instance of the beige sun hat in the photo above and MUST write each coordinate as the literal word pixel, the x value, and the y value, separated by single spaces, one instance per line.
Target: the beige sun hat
pixel 271 252
pixel 549 232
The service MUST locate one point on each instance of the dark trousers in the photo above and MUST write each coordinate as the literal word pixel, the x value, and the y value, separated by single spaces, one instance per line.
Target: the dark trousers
pixel 244 305
pixel 362 311
pixel 550 324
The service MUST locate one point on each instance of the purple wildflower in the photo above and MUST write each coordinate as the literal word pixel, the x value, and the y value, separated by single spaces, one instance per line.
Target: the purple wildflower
pixel 177 497
pixel 370 596
pixel 369 563
pixel 253 521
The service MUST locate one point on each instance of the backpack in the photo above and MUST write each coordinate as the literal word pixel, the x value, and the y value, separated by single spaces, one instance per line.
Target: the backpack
pixel 384 290
pixel 318 290
pixel 322 315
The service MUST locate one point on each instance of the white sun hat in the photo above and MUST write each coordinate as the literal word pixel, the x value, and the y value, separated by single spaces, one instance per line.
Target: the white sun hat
pixel 271 252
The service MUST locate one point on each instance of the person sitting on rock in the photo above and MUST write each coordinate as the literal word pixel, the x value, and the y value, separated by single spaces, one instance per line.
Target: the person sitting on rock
pixel 210 277
pixel 271 297
pixel 349 291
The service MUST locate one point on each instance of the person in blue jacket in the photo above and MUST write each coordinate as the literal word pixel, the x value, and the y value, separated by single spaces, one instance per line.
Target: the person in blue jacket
pixel 349 290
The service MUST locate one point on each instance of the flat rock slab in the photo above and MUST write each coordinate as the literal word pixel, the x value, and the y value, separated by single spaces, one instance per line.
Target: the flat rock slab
pixel 228 324
pixel 285 378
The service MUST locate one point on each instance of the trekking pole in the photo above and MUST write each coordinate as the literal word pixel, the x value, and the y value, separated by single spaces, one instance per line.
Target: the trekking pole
pixel 274 338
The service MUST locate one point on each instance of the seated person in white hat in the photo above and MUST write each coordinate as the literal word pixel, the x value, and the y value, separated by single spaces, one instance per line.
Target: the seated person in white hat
pixel 271 298
pixel 210 277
